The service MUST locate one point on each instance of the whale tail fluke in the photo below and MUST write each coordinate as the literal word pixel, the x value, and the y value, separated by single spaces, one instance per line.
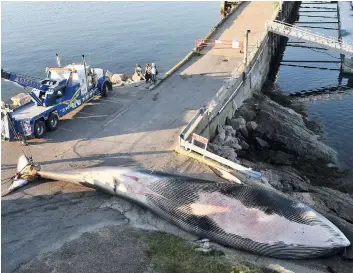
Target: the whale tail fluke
pixel 26 172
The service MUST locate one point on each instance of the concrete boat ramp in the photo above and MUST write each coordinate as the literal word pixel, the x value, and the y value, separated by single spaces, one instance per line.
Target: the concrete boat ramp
pixel 44 226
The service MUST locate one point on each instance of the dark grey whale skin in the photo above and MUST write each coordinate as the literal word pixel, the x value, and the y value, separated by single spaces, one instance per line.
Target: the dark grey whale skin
pixel 174 188
pixel 165 194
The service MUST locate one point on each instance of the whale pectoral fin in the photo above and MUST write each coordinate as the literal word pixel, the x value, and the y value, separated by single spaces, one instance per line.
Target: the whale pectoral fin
pixel 225 175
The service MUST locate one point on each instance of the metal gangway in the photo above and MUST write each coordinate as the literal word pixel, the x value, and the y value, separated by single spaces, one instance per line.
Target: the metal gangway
pixel 293 31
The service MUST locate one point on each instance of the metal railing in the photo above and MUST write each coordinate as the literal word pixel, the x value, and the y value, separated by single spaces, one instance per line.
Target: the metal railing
pixel 289 30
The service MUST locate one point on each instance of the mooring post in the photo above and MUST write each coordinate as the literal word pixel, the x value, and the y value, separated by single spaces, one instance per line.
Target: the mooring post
pixel 246 50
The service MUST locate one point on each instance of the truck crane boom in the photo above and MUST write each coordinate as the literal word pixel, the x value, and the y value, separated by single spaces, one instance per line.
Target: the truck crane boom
pixel 21 80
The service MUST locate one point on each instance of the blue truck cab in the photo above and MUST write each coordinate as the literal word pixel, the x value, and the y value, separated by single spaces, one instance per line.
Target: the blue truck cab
pixel 63 90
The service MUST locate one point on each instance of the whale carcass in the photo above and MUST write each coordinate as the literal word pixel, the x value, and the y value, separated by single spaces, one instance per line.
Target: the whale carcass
pixel 255 219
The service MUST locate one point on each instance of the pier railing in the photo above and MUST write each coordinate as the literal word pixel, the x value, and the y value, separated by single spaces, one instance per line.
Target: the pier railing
pixel 293 31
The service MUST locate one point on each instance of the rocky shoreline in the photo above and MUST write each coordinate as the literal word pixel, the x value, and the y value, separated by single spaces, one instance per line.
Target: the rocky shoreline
pixel 267 134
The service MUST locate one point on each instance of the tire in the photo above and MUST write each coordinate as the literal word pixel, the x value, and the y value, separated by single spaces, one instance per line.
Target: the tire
pixel 52 122
pixel 104 90
pixel 39 129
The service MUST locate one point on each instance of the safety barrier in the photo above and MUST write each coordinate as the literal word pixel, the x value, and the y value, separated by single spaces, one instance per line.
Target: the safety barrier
pixel 192 52
pixel 201 43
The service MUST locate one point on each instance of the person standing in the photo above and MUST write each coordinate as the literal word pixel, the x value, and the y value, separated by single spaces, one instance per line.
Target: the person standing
pixel 138 76
pixel 154 73
pixel 148 72
pixel 138 69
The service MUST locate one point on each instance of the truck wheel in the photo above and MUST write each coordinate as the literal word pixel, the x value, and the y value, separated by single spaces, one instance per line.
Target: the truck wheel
pixel 52 122
pixel 104 90
pixel 39 128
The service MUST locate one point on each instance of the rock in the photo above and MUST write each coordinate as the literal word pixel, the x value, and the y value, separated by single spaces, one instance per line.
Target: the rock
pixel 115 79
pixel 224 151
pixel 228 128
pixel 230 141
pixel 287 128
pixel 213 148
pixel 220 137
pixel 210 251
pixel 281 158
pixel 243 144
pixel 247 110
pixel 285 178
pixel 251 126
pixel 229 131
pixel 206 244
pixel 236 123
pixel 262 143
pixel 244 131
pixel 220 129
pixel 205 251
pixel 240 136
pixel 335 201
pixel 241 153
pixel 259 132
pixel 228 153
pixel 237 147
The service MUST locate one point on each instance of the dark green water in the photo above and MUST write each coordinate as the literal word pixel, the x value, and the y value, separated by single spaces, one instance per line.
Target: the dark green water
pixel 334 113
pixel 113 35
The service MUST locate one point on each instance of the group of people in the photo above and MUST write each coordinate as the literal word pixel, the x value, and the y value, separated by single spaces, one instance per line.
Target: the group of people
pixel 150 74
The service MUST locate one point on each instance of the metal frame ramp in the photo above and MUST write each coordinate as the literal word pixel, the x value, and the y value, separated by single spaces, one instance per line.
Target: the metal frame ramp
pixel 292 31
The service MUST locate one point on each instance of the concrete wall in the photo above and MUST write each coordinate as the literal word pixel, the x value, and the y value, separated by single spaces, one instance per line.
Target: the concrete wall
pixel 242 85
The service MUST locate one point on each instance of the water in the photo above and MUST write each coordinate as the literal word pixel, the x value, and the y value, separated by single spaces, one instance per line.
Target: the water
pixel 112 35
pixel 335 114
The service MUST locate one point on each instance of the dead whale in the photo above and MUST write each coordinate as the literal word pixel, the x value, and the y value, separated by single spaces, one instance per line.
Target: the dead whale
pixel 255 219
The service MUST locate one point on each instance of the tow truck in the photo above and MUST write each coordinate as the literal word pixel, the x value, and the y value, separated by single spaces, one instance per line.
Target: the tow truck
pixel 63 90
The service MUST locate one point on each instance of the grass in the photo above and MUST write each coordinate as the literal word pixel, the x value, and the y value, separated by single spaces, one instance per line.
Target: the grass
pixel 171 254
